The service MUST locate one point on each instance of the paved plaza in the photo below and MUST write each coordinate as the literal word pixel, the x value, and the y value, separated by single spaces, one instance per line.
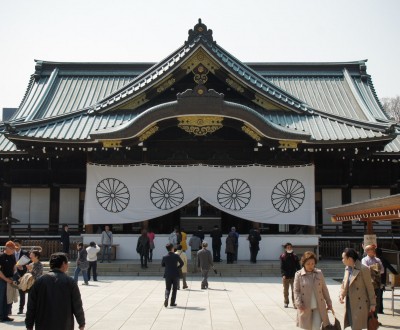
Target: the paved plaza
pixel 230 303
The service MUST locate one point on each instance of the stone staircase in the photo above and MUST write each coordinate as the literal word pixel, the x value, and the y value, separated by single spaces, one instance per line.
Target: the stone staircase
pixel 330 268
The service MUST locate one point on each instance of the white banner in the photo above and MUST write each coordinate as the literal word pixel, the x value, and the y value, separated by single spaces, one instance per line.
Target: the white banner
pixel 267 194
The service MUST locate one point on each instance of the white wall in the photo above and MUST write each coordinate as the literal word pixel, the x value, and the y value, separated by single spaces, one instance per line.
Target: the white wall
pixel 270 245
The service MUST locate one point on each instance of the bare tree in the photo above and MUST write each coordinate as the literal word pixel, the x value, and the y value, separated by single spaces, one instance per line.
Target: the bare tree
pixel 392 107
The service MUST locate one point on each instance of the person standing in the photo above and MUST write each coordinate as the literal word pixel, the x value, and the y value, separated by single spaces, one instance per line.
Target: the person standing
pixel 183 242
pixel 235 257
pixel 54 299
pixel 200 234
pixel 254 239
pixel 65 239
pixel 21 270
pixel 230 248
pixel 92 250
pixel 311 295
pixel 106 243
pixel 174 238
pixel 142 247
pixel 205 262
pixel 35 267
pixel 82 264
pixel 216 243
pixel 184 268
pixel 172 263
pixel 151 236
pixel 7 268
pixel 290 264
pixel 194 243
pixel 356 291
pixel 376 270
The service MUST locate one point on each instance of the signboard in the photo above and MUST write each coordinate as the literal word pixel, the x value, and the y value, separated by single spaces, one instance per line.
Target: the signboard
pixel 370 240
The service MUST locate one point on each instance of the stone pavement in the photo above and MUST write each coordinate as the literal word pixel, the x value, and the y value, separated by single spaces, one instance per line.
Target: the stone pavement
pixel 230 303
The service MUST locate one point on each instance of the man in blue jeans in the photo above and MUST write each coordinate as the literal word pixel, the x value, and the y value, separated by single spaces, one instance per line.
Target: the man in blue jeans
pixel 106 242
pixel 7 268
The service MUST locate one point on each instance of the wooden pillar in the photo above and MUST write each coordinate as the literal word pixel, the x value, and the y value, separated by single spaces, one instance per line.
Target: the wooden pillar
pixel 370 228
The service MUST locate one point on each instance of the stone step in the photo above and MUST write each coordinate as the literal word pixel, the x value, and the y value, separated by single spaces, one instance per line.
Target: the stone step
pixel 330 268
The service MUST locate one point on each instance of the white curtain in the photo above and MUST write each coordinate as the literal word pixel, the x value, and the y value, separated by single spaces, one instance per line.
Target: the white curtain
pixel 267 194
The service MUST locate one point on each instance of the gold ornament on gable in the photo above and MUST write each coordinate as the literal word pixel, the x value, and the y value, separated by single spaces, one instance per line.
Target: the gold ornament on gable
pixel 288 144
pixel 200 125
pixel 252 133
pixel 112 143
pixel 149 132
pixel 165 84
pixel 200 57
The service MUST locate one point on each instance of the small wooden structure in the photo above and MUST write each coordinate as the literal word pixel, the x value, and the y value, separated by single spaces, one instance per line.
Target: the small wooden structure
pixel 376 209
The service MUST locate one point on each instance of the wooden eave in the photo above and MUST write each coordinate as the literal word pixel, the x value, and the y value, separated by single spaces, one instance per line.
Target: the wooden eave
pixel 377 209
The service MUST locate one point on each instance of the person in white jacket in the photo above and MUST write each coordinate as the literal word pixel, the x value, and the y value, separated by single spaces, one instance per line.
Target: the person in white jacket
pixel 92 251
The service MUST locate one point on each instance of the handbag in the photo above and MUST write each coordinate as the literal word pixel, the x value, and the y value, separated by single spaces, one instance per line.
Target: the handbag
pixel 335 326
pixel 373 323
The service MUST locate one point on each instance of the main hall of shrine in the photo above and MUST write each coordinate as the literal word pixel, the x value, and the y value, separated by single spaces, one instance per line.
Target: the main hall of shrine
pixel 199 138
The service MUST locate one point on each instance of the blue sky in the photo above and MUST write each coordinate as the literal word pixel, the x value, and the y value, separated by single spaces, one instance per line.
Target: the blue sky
pixel 148 31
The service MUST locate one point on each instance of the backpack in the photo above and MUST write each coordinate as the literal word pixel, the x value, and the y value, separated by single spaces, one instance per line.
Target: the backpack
pixel 375 275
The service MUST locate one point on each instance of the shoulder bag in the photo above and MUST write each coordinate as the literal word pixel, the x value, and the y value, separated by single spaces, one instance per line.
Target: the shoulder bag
pixel 373 323
pixel 335 326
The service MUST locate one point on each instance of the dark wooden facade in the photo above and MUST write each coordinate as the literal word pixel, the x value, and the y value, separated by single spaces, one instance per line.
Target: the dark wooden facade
pixel 262 123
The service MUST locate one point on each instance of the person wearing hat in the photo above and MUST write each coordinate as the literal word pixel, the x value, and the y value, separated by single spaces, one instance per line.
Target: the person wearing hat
pixel 7 269
pixel 290 264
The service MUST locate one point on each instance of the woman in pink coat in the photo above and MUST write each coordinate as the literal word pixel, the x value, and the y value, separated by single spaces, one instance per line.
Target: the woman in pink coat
pixel 311 295
pixel 357 291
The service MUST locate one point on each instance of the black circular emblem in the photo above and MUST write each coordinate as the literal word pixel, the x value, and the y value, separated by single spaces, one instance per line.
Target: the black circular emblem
pixel 112 195
pixel 234 194
pixel 166 194
pixel 288 195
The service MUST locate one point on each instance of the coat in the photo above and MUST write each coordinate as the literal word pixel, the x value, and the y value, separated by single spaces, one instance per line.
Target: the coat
pixel 143 245
pixel 54 300
pixel 65 241
pixel 172 262
pixel 183 256
pixel 230 244
pixel 361 294
pixel 304 285
pixel 82 261
pixel 183 241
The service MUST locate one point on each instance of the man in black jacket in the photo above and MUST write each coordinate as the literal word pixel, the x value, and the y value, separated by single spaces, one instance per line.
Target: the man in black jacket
pixel 254 239
pixel 172 263
pixel 65 239
pixel 54 299
pixel 21 270
pixel 290 264
pixel 216 243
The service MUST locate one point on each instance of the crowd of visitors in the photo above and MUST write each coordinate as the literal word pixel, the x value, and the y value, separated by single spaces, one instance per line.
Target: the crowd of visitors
pixel 22 271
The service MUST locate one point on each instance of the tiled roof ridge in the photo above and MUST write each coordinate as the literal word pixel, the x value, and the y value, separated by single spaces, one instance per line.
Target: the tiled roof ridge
pixel 24 98
pixel 128 87
pixel 255 78
pixel 378 101
pixel 366 124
